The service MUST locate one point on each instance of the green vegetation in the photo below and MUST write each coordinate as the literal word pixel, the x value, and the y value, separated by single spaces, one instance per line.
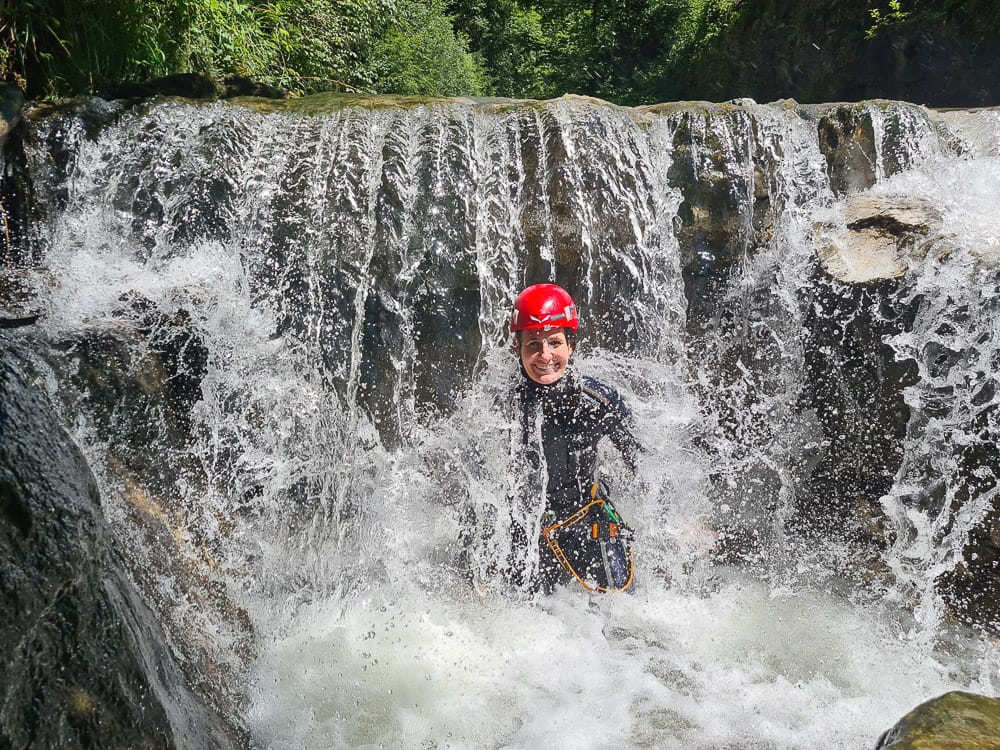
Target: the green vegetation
pixel 420 54
pixel 55 47
pixel 627 51
pixel 65 47
pixel 880 19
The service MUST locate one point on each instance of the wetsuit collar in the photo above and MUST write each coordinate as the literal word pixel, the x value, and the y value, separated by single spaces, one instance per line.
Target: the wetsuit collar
pixel 565 384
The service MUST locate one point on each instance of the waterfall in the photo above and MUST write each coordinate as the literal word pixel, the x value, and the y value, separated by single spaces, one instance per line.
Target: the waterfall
pixel 279 336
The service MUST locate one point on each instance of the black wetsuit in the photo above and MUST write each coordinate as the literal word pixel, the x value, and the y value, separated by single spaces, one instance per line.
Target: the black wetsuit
pixel 568 419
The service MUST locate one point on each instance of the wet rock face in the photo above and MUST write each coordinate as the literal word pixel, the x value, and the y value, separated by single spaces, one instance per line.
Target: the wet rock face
pixel 69 671
pixel 972 588
pixel 84 661
pixel 854 381
pixel 137 380
pixel 884 236
pixel 861 141
pixel 865 293
pixel 855 385
pixel 847 140
pixel 719 196
pixel 14 182
pixel 953 720
pixel 11 102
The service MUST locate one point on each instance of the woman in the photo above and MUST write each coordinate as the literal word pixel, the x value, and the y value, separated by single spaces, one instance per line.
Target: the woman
pixel 563 417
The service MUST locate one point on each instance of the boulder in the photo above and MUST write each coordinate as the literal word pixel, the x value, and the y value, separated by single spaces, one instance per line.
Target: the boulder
pixel 953 721
pixel 187 85
pixel 882 237
pixel 84 661
pixel 242 86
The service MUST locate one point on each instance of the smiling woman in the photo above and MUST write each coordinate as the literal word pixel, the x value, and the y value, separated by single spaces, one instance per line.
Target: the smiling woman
pixel 544 351
pixel 544 357
pixel 562 420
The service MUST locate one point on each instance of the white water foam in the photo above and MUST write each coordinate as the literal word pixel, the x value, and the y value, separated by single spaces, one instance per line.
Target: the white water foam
pixel 742 667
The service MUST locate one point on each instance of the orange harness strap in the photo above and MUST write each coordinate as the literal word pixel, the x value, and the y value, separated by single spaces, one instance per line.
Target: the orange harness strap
pixel 560 556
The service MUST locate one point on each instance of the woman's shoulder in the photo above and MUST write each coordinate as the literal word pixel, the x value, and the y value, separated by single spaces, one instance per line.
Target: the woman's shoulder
pixel 603 394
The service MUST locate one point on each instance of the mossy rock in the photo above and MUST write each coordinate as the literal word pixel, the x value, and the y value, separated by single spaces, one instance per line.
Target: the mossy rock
pixel 11 104
pixel 953 721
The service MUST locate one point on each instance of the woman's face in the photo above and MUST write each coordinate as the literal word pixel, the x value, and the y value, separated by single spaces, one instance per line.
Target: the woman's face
pixel 544 354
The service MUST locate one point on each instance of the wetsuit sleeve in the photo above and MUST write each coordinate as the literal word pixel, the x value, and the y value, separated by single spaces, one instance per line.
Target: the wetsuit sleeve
pixel 622 434
pixel 617 422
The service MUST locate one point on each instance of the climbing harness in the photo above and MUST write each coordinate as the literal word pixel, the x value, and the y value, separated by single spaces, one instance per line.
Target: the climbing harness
pixel 598 522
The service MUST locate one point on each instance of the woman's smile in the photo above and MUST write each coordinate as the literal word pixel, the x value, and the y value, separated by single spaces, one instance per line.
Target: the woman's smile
pixel 544 355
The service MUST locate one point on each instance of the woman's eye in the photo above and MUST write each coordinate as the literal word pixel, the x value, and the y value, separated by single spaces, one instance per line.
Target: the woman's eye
pixel 537 346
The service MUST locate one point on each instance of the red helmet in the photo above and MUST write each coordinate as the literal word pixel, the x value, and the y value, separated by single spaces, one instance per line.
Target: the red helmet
pixel 544 306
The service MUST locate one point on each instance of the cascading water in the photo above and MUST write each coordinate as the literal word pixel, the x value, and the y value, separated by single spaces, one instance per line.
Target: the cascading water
pixel 946 485
pixel 280 337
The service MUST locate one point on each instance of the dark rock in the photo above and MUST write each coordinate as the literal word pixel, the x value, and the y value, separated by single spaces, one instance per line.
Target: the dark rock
pixel 862 294
pixel 847 140
pixel 856 140
pixel 197 86
pixel 17 322
pixel 15 185
pixel 971 590
pixel 240 86
pixel 26 196
pixel 187 85
pixel 953 721
pixel 11 104
pixel 855 384
pixel 712 229
pixel 84 663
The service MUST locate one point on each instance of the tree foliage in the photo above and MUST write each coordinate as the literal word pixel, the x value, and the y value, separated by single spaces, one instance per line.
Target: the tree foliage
pixel 63 47
pixel 54 47
pixel 627 51
pixel 419 53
